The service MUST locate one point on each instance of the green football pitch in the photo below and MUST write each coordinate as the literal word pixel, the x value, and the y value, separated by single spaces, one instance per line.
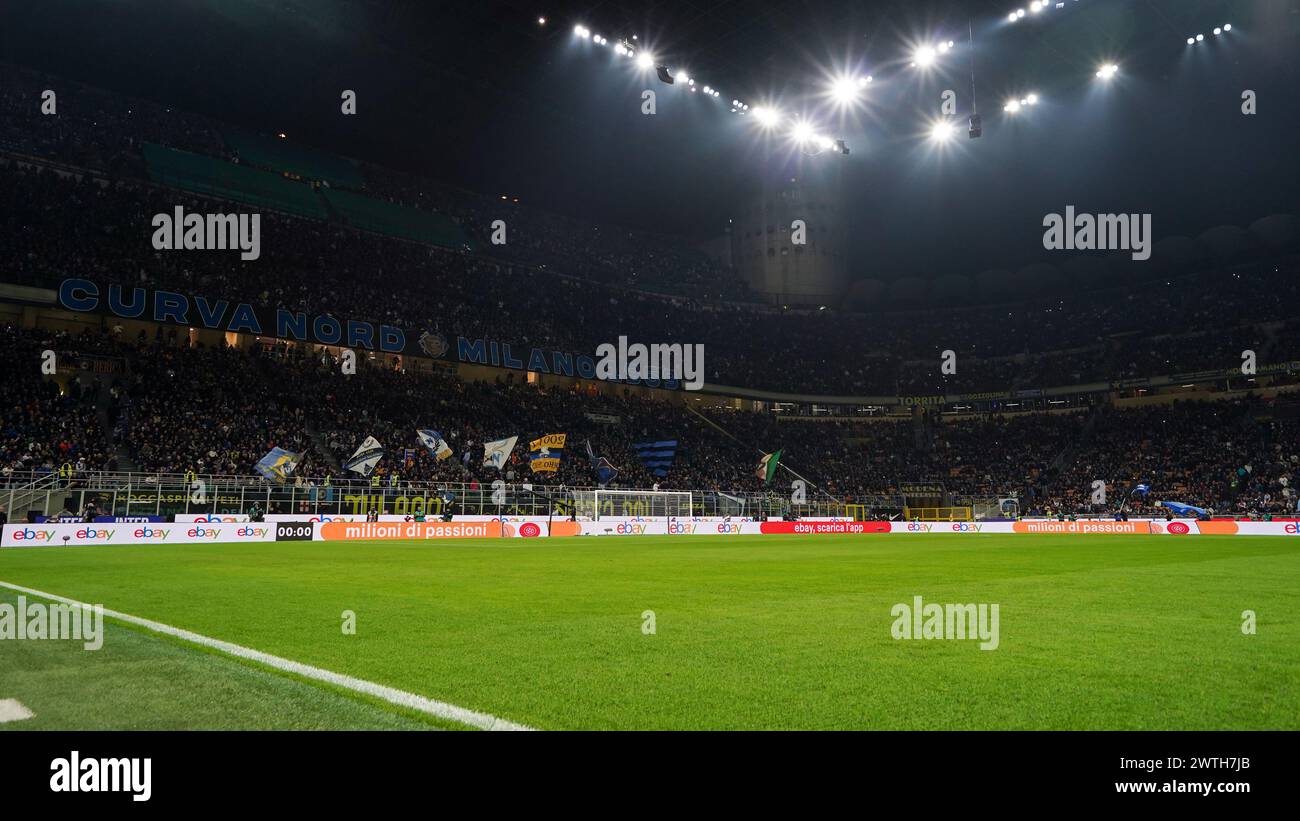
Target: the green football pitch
pixel 681 632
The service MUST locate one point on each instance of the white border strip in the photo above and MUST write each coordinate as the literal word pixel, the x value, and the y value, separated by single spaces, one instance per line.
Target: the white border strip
pixel 401 698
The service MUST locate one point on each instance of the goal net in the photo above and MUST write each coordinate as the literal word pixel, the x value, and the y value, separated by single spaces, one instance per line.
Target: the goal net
pixel 626 504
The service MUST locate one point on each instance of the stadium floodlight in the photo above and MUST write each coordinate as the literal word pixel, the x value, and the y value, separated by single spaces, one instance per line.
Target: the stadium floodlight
pixel 1191 41
pixel 1011 18
pixel 802 132
pixel 845 90
pixel 1020 13
pixel 681 76
pixel 767 117
pixel 1036 6
pixel 1012 106
pixel 1032 99
pixel 645 60
pixel 541 21
pixel 1227 26
pixel 924 56
pixel 863 82
pixel 581 32
pixel 1218 30
pixel 1107 71
pixel 942 131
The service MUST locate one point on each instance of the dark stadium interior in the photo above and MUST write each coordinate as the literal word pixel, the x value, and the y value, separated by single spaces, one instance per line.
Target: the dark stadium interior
pixel 1073 366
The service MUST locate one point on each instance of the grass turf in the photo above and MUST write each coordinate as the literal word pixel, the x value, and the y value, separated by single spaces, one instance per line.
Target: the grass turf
pixel 142 681
pixel 1096 632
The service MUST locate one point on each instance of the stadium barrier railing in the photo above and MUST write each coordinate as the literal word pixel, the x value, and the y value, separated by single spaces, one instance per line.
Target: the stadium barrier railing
pixel 167 494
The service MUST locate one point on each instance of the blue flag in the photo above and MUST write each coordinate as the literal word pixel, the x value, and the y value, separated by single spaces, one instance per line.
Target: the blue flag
pixel 1184 510
pixel 277 465
pixel 605 470
pixel 1142 488
pixel 657 457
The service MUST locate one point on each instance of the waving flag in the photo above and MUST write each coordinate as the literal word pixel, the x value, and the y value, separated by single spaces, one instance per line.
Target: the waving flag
pixel 657 457
pixel 496 453
pixel 433 440
pixel 767 466
pixel 1184 510
pixel 366 457
pixel 544 454
pixel 605 470
pixel 277 465
pixel 1142 488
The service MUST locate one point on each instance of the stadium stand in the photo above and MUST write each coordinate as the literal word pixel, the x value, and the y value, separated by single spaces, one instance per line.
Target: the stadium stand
pixel 390 248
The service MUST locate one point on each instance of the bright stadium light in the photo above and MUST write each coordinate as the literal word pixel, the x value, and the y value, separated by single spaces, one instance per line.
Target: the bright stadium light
pixel 681 76
pixel 645 60
pixel 1011 18
pixel 1012 106
pixel 942 131
pixel 1227 26
pixel 802 132
pixel 845 90
pixel 1032 99
pixel 1107 71
pixel 581 32
pixel 1191 41
pixel 767 117
pixel 1218 30
pixel 924 56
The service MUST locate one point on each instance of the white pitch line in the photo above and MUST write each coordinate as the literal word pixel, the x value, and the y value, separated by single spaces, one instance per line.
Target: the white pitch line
pixel 11 709
pixel 401 698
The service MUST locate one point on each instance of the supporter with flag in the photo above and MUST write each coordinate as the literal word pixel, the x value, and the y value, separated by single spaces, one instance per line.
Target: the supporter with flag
pixel 277 465
pixel 545 453
pixel 767 466
pixel 438 447
pixel 366 457
pixel 496 453
pixel 605 471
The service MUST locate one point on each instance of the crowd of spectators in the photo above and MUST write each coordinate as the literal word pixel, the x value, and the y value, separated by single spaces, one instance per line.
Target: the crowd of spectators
pixel 177 408
pixel 45 425
pixel 1231 456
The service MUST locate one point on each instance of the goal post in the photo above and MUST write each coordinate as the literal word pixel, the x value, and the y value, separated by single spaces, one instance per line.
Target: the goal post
pixel 939 514
pixel 627 504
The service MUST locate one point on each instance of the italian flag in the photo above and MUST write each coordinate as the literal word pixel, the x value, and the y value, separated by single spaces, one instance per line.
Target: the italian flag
pixel 767 466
